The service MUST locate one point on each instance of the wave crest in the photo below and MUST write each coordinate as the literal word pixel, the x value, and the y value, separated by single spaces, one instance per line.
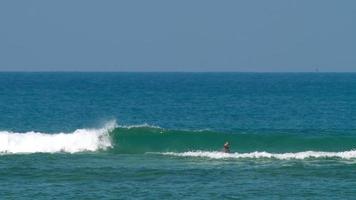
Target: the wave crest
pixel 144 125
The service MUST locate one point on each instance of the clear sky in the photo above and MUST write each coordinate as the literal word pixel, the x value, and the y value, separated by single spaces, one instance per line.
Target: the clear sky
pixel 181 35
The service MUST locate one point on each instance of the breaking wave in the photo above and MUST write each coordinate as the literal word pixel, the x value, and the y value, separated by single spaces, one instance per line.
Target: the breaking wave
pixel 77 141
pixel 144 138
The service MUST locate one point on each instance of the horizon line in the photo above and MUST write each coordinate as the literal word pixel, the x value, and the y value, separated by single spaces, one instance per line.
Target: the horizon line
pixel 113 71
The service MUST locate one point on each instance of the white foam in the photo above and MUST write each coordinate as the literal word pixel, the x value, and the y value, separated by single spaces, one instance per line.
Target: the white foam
pixel 144 125
pixel 281 156
pixel 36 142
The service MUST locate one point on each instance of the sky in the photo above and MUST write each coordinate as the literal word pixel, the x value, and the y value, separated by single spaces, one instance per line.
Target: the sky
pixel 181 35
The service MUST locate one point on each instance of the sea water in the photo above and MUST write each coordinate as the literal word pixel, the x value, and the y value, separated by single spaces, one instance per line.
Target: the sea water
pixel 160 135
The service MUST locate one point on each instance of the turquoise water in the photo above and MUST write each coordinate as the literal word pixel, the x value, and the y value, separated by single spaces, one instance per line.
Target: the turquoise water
pixel 160 135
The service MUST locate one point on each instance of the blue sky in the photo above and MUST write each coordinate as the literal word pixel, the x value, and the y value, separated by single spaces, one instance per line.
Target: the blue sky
pixel 184 35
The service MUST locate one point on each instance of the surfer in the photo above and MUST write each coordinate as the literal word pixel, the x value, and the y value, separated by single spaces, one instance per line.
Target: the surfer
pixel 227 147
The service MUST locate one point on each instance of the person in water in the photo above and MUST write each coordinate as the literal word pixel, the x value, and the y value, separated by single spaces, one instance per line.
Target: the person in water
pixel 227 147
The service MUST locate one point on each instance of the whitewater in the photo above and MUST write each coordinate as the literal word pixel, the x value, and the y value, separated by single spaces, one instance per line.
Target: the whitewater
pixel 280 156
pixel 78 141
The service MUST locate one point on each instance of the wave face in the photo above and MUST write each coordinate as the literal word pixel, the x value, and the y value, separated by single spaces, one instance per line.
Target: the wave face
pixel 35 142
pixel 142 139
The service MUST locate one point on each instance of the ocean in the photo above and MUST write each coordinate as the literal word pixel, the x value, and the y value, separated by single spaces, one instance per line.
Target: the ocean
pixel 161 135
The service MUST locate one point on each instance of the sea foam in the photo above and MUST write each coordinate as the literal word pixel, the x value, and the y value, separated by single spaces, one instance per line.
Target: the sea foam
pixel 281 156
pixel 77 141
pixel 144 125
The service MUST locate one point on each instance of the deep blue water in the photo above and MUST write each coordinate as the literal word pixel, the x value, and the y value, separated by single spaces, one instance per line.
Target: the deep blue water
pixel 224 101
pixel 159 135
